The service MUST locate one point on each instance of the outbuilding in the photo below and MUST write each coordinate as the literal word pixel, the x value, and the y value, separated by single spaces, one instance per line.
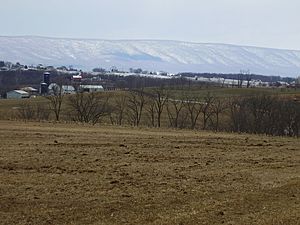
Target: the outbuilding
pixel 91 88
pixel 30 90
pixel 17 94
pixel 68 89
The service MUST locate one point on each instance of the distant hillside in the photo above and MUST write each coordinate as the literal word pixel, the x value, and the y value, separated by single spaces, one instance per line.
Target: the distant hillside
pixel 172 56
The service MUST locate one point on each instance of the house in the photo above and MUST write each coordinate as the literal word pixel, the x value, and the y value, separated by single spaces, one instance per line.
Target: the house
pixel 17 94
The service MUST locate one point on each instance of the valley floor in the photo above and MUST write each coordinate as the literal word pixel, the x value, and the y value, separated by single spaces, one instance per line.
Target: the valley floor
pixel 78 174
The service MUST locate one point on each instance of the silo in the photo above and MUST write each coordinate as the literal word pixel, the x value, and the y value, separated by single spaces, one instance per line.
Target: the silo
pixel 44 89
pixel 47 78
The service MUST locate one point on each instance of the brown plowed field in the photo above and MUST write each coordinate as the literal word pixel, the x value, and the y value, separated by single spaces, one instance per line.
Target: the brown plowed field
pixel 76 174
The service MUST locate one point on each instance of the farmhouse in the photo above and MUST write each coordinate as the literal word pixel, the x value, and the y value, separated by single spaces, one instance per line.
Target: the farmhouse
pixel 17 94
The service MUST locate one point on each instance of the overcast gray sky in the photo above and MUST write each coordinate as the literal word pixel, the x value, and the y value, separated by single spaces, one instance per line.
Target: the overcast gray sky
pixel 266 23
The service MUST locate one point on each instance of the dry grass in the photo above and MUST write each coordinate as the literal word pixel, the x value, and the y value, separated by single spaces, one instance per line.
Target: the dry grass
pixel 75 174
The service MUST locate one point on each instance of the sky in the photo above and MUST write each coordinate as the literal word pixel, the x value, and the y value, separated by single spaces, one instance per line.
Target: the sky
pixel 264 23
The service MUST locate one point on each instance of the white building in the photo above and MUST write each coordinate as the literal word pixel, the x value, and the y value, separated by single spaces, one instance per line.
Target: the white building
pixel 17 94
pixel 91 88
pixel 68 89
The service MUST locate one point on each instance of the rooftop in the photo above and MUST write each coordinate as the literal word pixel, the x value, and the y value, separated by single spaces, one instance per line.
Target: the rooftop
pixel 20 92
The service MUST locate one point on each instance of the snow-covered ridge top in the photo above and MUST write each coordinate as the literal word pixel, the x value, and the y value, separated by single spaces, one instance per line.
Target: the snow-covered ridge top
pixel 172 56
pixel 136 40
pixel 140 40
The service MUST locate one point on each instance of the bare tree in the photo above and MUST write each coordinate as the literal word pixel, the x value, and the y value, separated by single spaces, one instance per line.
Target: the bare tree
pixel 259 109
pixel 194 107
pixel 42 112
pixel 218 107
pixel 240 78
pixel 151 111
pixel 244 75
pixel 118 111
pixel 55 100
pixel 160 98
pixel 89 107
pixel 248 79
pixel 30 111
pixel 136 102
pixel 206 109
pixel 237 114
pixel 174 108
pixel 26 111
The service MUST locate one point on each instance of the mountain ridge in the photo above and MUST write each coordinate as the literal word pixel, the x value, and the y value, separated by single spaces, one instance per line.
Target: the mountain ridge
pixel 168 55
pixel 141 40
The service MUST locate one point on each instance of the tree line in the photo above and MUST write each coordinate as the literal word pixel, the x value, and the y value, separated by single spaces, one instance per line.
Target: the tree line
pixel 260 114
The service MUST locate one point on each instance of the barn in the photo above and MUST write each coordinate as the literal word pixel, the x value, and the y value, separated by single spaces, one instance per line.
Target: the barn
pixel 17 94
